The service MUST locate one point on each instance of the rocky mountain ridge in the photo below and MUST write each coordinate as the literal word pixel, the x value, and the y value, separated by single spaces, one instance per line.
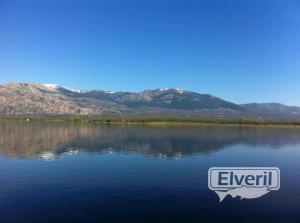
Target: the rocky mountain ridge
pixel 52 99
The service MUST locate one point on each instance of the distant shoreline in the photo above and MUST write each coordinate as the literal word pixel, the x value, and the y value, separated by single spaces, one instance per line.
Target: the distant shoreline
pixel 153 121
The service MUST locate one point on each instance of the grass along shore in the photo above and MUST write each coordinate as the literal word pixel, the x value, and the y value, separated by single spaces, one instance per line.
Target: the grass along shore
pixel 153 122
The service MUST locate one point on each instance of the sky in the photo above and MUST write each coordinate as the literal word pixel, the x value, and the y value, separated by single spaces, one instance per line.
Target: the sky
pixel 240 50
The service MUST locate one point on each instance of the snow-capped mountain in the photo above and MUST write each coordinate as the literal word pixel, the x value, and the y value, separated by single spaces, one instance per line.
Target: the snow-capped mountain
pixel 54 99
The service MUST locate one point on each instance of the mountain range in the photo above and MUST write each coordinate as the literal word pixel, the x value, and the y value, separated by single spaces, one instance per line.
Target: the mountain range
pixel 52 99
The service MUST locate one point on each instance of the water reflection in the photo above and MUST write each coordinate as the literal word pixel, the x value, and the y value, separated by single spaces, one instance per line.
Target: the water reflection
pixel 136 188
pixel 48 141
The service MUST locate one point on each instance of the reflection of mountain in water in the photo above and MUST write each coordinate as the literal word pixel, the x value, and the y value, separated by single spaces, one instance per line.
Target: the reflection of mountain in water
pixel 31 140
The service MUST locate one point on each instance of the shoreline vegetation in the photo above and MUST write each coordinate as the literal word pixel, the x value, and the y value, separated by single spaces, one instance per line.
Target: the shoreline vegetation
pixel 153 121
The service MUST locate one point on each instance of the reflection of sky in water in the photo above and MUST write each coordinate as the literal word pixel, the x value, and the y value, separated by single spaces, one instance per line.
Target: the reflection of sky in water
pixel 140 174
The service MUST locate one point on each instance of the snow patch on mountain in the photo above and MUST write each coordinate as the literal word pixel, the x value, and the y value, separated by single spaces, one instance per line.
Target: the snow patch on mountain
pixel 179 90
pixel 52 86
pixel 56 86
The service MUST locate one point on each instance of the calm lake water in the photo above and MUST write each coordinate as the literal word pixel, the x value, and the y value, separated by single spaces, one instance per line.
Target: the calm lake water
pixel 97 173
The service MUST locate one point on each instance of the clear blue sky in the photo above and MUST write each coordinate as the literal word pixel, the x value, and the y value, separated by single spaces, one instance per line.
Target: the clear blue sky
pixel 240 50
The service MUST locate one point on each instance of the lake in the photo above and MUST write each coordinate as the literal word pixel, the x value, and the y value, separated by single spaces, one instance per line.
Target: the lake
pixel 115 173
